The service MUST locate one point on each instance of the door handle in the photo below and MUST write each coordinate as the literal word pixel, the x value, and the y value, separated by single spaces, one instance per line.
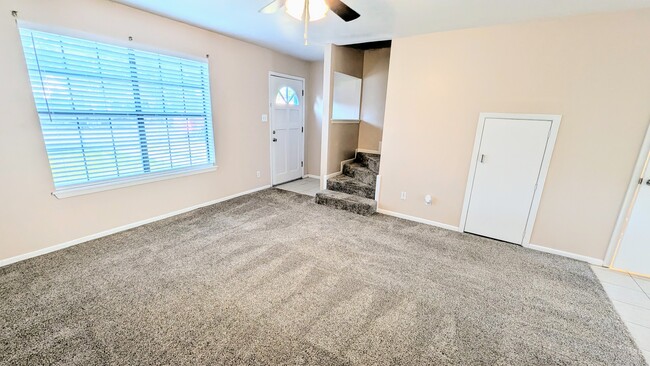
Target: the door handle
pixel 482 158
pixel 275 140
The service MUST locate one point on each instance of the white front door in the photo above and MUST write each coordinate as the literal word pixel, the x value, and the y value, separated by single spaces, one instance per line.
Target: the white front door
pixel 287 128
pixel 633 254
pixel 506 175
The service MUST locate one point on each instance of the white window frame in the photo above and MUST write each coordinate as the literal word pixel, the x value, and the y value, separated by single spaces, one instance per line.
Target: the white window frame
pixel 117 183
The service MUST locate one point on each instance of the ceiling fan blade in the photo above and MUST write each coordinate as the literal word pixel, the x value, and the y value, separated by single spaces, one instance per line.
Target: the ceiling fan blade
pixel 274 6
pixel 345 12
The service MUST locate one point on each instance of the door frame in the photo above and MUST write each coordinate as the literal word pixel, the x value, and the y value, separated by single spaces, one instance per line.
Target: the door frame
pixel 304 111
pixel 546 161
pixel 642 163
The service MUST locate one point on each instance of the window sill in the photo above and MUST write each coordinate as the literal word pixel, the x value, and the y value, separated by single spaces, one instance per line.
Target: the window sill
pixel 354 121
pixel 128 182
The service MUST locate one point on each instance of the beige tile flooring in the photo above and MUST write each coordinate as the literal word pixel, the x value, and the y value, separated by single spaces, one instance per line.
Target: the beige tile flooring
pixel 308 186
pixel 631 297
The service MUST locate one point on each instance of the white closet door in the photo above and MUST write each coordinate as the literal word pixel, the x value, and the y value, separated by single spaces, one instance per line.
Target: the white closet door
pixel 507 172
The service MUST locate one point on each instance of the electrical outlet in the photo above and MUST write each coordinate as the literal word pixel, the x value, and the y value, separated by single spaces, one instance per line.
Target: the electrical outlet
pixel 265 118
pixel 402 196
pixel 259 174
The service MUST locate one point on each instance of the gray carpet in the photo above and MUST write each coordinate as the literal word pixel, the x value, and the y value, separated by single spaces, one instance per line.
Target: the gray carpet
pixel 272 278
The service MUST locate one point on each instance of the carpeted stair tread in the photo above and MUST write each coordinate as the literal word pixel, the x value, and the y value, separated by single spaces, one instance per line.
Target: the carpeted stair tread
pixel 371 161
pixel 360 172
pixel 346 184
pixel 348 202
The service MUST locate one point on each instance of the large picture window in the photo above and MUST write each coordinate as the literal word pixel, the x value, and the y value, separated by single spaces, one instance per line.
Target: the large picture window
pixel 114 114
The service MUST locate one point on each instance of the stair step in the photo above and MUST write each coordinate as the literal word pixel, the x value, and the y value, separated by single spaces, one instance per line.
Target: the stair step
pixel 360 172
pixel 371 161
pixel 348 202
pixel 349 185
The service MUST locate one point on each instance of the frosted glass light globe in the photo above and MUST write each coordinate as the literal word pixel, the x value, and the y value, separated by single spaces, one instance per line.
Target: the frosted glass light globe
pixel 317 9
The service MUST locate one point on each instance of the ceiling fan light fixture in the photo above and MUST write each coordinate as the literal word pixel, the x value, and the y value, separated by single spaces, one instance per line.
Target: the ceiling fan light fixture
pixel 317 9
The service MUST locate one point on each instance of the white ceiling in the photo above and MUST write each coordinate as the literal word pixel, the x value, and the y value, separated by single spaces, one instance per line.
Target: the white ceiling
pixel 380 19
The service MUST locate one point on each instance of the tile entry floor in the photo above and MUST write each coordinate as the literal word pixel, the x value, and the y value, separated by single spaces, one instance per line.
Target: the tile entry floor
pixel 308 186
pixel 631 297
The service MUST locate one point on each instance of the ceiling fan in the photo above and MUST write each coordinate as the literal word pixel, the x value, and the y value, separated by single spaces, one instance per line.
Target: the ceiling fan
pixel 310 10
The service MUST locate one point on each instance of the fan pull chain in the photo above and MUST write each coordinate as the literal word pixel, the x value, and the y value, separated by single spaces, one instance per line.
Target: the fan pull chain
pixel 306 16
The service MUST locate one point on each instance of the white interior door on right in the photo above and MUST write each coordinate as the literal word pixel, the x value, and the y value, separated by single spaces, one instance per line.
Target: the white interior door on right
pixel 633 254
pixel 506 176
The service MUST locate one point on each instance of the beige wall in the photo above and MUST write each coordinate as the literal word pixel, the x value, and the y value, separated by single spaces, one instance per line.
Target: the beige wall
pixel 593 70
pixel 314 121
pixel 31 219
pixel 343 137
pixel 373 101
pixel 348 61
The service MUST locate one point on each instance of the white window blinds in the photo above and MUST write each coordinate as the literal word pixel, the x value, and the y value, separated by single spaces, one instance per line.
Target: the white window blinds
pixel 111 113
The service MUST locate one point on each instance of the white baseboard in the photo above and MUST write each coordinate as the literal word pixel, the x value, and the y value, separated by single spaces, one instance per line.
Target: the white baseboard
pixel 18 258
pixel 583 258
pixel 347 161
pixel 377 187
pixel 368 151
pixel 336 174
pixel 418 219
pixel 312 176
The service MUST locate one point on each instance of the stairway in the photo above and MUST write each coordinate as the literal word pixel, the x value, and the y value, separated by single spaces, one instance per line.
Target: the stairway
pixel 354 190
